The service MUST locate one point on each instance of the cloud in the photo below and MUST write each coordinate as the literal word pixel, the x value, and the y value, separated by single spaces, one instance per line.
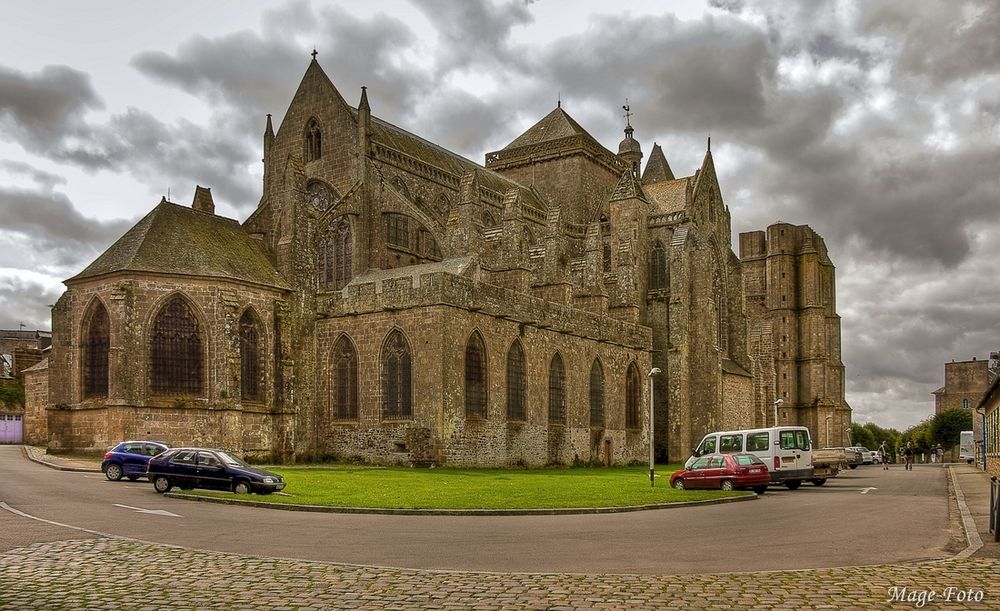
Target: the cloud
pixel 44 179
pixel 25 298
pixel 40 110
pixel 49 233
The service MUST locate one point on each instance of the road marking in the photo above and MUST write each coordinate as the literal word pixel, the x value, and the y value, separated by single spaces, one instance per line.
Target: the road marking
pixel 155 512
pixel 868 489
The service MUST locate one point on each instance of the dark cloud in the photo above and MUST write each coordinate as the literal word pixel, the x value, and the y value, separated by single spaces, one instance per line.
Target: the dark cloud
pixel 40 110
pixel 39 177
pixel 26 301
pixel 46 227
pixel 476 31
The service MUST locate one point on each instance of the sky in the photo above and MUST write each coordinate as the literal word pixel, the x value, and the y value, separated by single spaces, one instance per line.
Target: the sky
pixel 877 123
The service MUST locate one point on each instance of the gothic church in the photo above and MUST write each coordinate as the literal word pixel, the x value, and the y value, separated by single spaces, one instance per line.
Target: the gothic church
pixel 392 302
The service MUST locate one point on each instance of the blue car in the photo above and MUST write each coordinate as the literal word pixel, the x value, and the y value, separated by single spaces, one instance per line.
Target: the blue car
pixel 209 468
pixel 129 459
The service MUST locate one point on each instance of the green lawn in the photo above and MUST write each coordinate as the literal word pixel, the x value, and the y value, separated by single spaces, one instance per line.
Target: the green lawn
pixel 447 488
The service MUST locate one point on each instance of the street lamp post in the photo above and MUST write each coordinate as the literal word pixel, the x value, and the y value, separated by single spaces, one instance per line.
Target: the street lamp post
pixel 776 404
pixel 652 469
pixel 828 417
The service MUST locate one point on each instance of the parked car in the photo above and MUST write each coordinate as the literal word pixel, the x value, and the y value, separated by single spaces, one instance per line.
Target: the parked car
pixel 212 469
pixel 863 453
pixel 725 472
pixel 129 459
pixel 786 450
pixel 876 459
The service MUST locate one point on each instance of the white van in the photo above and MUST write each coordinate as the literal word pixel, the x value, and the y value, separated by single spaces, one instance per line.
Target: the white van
pixel 786 450
pixel 966 447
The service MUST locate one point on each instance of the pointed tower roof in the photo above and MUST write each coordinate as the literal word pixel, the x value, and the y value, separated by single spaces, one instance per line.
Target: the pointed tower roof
pixel 657 168
pixel 553 126
pixel 628 188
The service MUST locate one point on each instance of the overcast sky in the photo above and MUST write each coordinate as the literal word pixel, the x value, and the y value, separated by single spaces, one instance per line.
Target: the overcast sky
pixel 876 123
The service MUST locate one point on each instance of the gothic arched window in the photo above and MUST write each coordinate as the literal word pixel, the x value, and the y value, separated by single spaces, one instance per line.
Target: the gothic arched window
pixel 397 365
pixel 344 393
pixel 632 390
pixel 596 394
pixel 658 267
pixel 176 359
pixel 557 391
pixel 475 377
pixel 516 375
pixel 96 346
pixel 314 141
pixel 337 255
pixel 250 357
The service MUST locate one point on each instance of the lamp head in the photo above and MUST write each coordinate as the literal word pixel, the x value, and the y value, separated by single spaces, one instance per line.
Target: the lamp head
pixel 654 371
pixel 779 401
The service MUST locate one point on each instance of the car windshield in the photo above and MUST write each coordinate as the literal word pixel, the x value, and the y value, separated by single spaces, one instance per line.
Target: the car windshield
pixel 231 460
pixel 747 459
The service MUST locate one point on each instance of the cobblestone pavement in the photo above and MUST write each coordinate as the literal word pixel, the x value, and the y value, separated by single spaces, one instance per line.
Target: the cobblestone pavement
pixel 111 573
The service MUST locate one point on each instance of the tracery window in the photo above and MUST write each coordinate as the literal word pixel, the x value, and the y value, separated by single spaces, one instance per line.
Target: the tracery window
pixel 398 230
pixel 516 382
pixel 322 196
pixel 314 141
pixel 176 360
pixel 97 345
pixel 632 390
pixel 344 395
pixel 250 355
pixel 396 377
pixel 557 391
pixel 337 255
pixel 475 377
pixel 596 394
pixel 658 267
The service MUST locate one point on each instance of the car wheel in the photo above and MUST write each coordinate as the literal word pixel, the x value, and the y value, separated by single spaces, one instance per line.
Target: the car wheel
pixel 819 481
pixel 726 485
pixel 678 484
pixel 792 484
pixel 760 489
pixel 853 466
pixel 161 484
pixel 242 487
pixel 113 472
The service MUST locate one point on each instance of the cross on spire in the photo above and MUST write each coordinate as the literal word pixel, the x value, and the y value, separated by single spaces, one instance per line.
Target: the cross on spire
pixel 314 53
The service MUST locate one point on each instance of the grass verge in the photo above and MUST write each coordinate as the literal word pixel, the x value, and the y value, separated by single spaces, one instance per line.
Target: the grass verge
pixel 447 488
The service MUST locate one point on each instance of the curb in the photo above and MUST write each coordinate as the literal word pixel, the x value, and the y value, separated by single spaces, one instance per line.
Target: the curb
pixel 30 456
pixel 972 535
pixel 458 512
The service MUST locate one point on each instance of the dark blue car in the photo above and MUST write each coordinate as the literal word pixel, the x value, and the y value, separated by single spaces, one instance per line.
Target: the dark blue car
pixel 129 459
pixel 189 468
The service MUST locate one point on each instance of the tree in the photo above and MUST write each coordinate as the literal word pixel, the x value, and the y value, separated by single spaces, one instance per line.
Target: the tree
pixel 947 426
pixel 11 394
pixel 861 436
pixel 919 435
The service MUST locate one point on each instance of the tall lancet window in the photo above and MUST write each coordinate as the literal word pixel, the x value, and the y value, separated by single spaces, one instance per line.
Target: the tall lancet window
pixel 632 390
pixel 397 362
pixel 176 359
pixel 250 357
pixel 658 267
pixel 475 377
pixel 96 346
pixel 596 394
pixel 344 395
pixel 314 141
pixel 516 383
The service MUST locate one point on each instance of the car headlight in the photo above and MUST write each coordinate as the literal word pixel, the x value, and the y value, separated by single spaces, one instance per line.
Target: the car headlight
pixel 270 480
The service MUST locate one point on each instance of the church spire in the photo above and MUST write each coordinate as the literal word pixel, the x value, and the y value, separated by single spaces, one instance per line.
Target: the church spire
pixel 364 121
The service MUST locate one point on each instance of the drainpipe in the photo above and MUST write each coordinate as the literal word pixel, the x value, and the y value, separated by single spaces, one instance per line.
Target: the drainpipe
pixel 983 414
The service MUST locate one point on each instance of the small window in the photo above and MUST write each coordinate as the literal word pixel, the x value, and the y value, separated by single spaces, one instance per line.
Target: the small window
pixel 757 442
pixel 701 463
pixel 730 443
pixel 184 458
pixel 707 446
pixel 965 404
pixel 794 440
pixel 206 459
pixel 717 462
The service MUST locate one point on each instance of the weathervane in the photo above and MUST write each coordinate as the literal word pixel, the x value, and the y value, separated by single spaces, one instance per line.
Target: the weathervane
pixel 628 114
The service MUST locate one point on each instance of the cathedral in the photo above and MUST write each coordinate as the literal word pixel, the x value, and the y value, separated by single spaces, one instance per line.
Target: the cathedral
pixel 391 302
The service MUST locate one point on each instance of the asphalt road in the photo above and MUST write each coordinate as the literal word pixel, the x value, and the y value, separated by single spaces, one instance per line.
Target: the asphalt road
pixel 866 516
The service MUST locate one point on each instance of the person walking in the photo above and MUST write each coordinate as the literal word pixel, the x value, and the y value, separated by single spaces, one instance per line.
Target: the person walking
pixel 908 455
pixel 940 454
pixel 883 452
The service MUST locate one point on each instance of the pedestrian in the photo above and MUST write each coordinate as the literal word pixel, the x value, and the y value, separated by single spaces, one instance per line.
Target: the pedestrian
pixel 883 452
pixel 908 455
pixel 940 453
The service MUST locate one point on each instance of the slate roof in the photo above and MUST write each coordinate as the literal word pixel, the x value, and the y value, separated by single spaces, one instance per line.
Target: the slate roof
pixel 628 187
pixel 458 266
pixel 553 126
pixel 174 239
pixel 398 138
pixel 669 195
pixel 657 168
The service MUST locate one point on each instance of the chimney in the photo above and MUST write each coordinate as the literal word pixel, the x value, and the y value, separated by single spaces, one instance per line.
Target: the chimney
pixel 203 200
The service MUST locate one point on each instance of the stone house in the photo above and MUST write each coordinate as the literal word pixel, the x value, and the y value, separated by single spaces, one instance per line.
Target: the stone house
pixel 390 301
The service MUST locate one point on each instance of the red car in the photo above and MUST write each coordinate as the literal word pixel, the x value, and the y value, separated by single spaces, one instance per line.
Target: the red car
pixel 725 472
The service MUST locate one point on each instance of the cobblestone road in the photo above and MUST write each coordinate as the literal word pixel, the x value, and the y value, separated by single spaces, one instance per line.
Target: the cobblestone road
pixel 108 573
